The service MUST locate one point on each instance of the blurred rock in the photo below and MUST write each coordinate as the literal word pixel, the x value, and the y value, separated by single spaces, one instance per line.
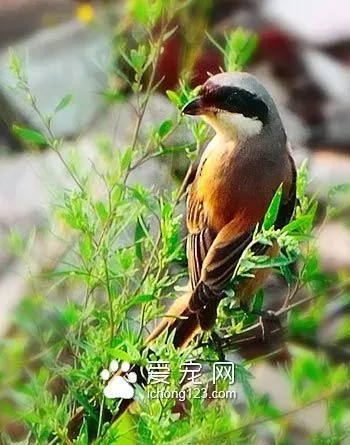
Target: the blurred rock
pixel 21 17
pixel 119 122
pixel 328 169
pixel 332 76
pixel 67 59
pixel 296 131
pixel 23 198
pixel 272 381
pixel 282 55
pixel 31 183
pixel 27 185
pixel 336 317
pixel 335 131
pixel 314 21
pixel 119 125
pixel 333 243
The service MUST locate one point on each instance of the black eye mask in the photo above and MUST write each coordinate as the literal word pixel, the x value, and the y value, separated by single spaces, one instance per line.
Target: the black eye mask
pixel 235 100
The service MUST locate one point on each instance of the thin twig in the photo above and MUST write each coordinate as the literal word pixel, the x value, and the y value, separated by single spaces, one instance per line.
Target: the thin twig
pixel 100 417
pixel 110 298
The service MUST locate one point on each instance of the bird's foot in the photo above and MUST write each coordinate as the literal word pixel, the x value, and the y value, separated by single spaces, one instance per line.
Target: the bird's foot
pixel 268 315
pixel 270 325
pixel 269 321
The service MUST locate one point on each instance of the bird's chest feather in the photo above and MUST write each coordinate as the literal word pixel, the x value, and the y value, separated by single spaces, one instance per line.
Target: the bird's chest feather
pixel 236 184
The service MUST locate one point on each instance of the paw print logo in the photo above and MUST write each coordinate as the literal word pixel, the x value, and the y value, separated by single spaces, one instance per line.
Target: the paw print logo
pixel 118 387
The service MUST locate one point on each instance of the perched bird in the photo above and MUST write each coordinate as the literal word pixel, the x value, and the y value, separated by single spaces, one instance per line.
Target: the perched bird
pixel 237 177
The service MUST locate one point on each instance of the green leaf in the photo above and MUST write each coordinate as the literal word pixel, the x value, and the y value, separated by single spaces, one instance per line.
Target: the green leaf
pixel 113 95
pixel 85 247
pixel 240 46
pixel 126 159
pixel 258 300
pixel 126 428
pixel 299 225
pixel 63 103
pixel 140 299
pixel 101 210
pixel 341 188
pixel 304 324
pixel 311 267
pixel 70 314
pixel 243 376
pixel 83 437
pixel 140 234
pixel 272 211
pixel 83 400
pixel 15 64
pixel 119 354
pixel 140 10
pixel 174 97
pixel 29 135
pixel 267 262
pixel 138 57
pixel 302 180
pixel 16 242
pixel 165 127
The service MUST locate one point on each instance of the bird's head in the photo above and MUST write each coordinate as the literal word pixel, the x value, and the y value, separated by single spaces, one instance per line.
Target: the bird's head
pixel 236 105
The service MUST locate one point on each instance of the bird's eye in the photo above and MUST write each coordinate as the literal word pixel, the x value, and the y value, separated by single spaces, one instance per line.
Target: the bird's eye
pixel 230 99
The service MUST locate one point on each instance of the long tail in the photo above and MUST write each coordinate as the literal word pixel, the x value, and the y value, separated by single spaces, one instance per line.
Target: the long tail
pixel 186 326
pixel 178 318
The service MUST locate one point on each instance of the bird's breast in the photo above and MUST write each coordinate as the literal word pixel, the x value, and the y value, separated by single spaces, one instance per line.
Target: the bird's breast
pixel 234 185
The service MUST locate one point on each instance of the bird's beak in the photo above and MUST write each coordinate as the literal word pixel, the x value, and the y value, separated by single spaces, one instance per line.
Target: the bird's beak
pixel 195 107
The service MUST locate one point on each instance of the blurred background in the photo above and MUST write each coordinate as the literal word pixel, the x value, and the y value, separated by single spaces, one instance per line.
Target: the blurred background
pixel 303 58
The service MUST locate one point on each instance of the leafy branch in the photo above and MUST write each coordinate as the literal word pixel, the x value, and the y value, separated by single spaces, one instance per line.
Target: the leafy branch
pixel 125 257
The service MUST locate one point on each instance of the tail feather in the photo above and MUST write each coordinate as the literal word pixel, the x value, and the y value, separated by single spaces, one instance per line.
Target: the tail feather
pixel 180 319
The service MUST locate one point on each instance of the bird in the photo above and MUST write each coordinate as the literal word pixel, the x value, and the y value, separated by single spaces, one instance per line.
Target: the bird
pixel 238 175
pixel 241 169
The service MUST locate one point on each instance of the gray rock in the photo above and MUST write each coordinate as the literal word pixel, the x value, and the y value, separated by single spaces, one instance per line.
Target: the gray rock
pixel 314 21
pixel 328 169
pixel 333 243
pixel 335 131
pixel 274 382
pixel 296 131
pixel 22 17
pixel 119 122
pixel 31 183
pixel 67 59
pixel 332 76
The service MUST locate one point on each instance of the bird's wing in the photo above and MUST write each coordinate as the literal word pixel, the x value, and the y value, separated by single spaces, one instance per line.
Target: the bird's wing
pixel 287 207
pixel 206 262
pixel 212 266
pixel 200 237
pixel 219 264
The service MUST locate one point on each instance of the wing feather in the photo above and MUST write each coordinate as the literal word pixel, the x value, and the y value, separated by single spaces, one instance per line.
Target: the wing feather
pixel 214 257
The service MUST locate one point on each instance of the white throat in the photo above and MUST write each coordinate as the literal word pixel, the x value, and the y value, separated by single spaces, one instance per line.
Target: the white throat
pixel 231 126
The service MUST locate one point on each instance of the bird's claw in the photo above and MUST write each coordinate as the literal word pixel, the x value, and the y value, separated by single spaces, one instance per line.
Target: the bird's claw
pixel 270 315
